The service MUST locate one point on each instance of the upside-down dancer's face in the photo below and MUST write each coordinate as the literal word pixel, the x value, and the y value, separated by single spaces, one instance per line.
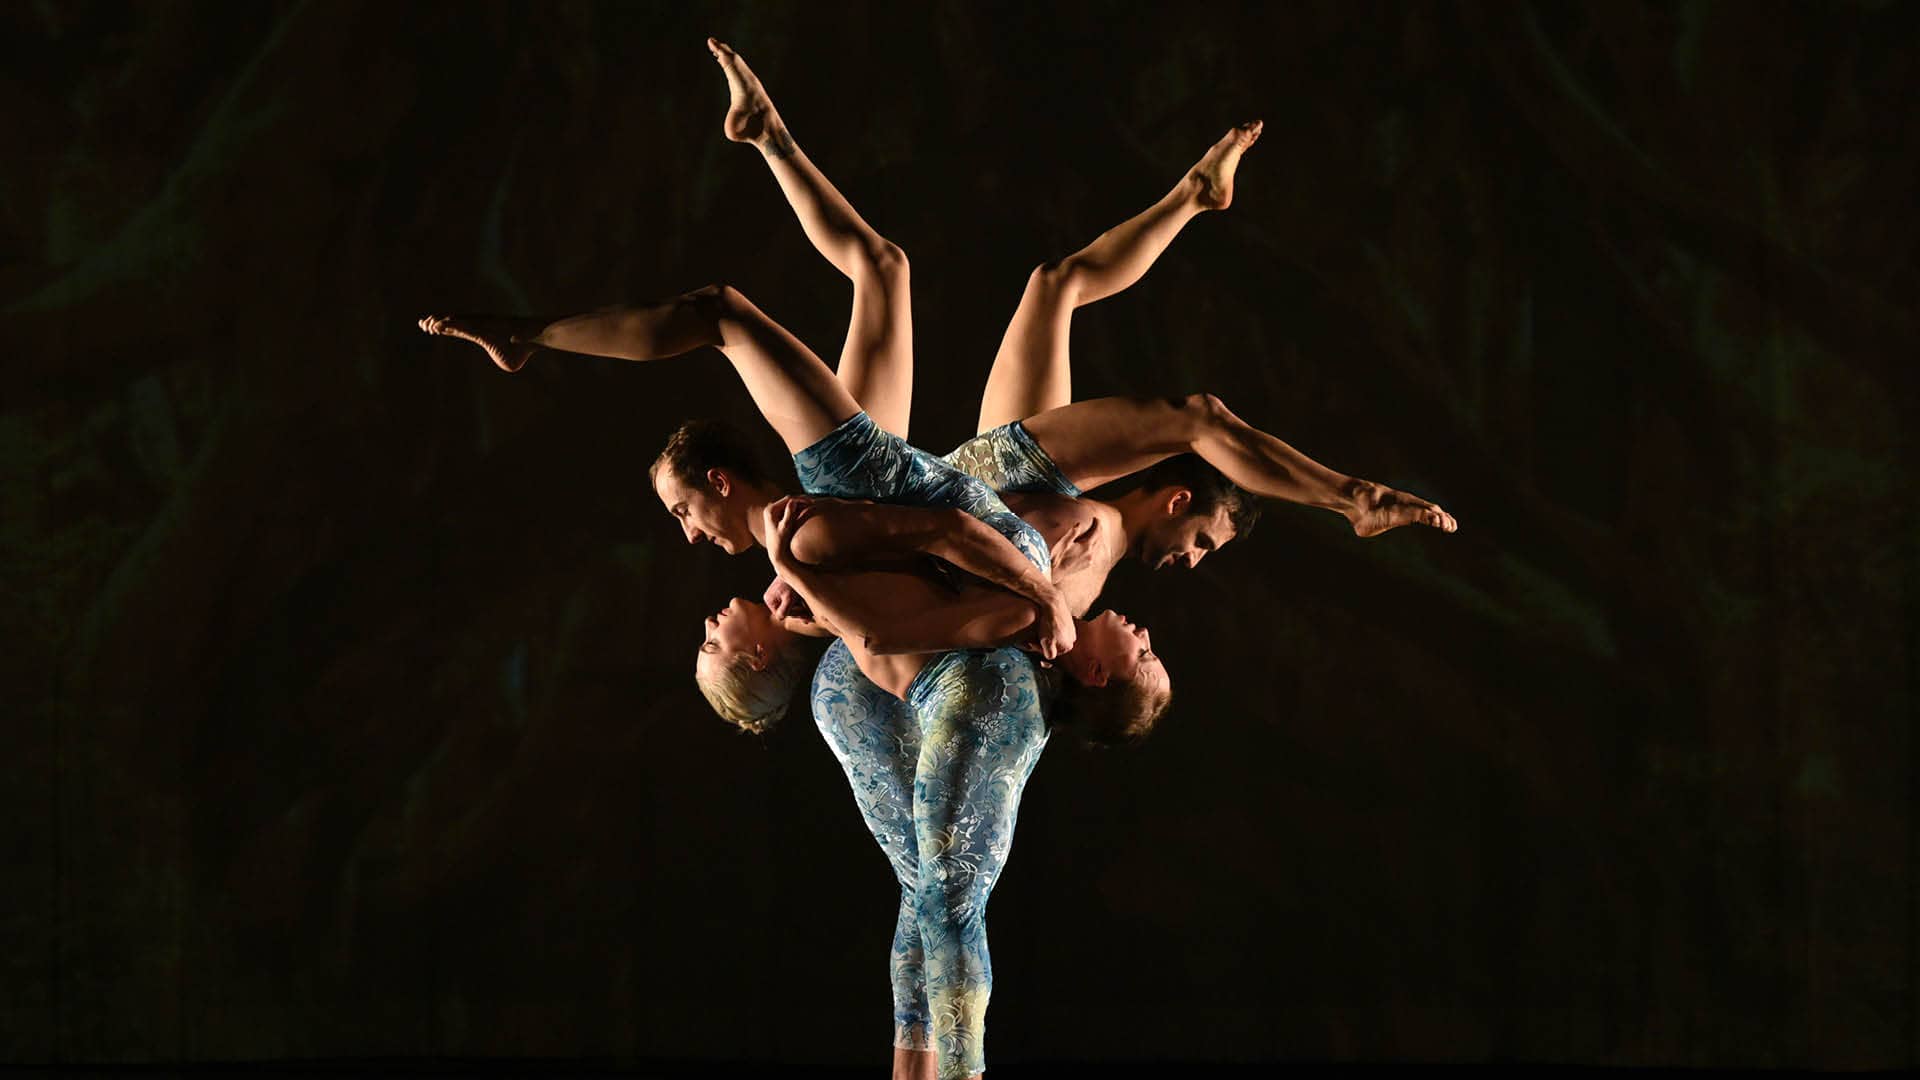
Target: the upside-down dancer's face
pixel 707 514
pixel 742 628
pixel 1179 538
pixel 1110 648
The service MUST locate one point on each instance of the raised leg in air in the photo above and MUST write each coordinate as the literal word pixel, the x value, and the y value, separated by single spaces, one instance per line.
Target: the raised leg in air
pixel 1093 442
pixel 1031 372
pixel 1105 439
pixel 793 389
pixel 876 364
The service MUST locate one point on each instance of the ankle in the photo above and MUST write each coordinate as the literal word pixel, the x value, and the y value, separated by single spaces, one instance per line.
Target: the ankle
pixel 1355 497
pixel 1190 194
pixel 778 142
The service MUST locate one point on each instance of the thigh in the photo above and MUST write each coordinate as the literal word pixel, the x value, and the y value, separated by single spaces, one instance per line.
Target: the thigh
pixel 858 460
pixel 793 389
pixel 1008 458
pixel 1098 440
pixel 876 364
pixel 981 733
pixel 1032 372
pixel 877 741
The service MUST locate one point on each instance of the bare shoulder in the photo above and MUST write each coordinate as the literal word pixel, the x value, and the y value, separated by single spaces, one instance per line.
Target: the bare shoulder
pixel 830 525
pixel 861 531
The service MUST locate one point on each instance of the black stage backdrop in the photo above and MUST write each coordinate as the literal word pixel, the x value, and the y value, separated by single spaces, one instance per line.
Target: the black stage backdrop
pixel 351 711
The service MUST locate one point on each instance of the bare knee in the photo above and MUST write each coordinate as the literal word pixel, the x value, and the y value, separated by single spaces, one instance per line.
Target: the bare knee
pixel 728 306
pixel 1062 277
pixel 1207 405
pixel 728 311
pixel 889 259
pixel 1203 411
pixel 721 300
pixel 884 263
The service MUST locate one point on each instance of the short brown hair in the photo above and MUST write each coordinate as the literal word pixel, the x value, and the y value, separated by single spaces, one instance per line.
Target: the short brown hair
pixel 1212 491
pixel 699 445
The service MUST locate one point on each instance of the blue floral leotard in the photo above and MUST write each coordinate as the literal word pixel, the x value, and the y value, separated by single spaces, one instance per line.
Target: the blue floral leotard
pixel 861 460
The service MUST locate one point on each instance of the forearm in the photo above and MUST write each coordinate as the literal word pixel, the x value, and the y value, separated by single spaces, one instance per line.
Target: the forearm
pixel 951 627
pixel 813 585
pixel 977 548
pixel 981 619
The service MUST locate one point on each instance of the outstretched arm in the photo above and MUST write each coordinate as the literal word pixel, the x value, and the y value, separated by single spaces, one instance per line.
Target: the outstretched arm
pixel 839 534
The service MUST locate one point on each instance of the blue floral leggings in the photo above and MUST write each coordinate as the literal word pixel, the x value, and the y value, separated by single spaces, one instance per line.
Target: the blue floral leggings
pixel 938 777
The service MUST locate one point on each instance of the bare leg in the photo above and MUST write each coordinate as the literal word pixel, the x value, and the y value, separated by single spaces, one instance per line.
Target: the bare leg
pixel 792 387
pixel 1032 373
pixel 914 1064
pixel 876 364
pixel 1104 439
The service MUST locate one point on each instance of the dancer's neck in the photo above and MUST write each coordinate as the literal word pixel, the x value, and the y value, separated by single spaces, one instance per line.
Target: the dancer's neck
pixel 1136 510
pixel 757 499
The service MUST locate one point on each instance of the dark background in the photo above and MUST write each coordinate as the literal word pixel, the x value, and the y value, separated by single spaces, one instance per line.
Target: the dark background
pixel 351 712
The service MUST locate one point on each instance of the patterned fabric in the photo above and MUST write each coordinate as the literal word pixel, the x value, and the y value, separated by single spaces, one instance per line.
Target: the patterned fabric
pixel 1008 459
pixel 937 778
pixel 982 729
pixel 861 460
pixel 877 741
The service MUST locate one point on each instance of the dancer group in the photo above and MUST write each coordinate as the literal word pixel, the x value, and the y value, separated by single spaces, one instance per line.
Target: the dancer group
pixel 952 592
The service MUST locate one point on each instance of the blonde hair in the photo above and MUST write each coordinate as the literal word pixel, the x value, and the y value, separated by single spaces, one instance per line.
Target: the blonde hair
pixel 1121 713
pixel 752 700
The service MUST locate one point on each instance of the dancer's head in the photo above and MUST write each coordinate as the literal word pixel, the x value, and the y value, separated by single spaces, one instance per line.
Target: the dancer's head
pixel 749 665
pixel 1118 688
pixel 1185 509
pixel 712 482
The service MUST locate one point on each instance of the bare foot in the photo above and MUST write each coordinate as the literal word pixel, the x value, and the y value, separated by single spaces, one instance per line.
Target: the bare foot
pixel 497 336
pixel 751 118
pixel 1379 508
pixel 1214 173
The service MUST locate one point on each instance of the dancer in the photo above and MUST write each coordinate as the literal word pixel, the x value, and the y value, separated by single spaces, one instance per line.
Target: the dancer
pixel 870 729
pixel 785 380
pixel 978 717
pixel 1035 438
pixel 1170 518
pixel 838 448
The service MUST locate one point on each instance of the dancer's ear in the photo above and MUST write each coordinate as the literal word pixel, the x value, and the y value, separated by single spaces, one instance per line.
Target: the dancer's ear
pixel 1097 674
pixel 1178 501
pixel 719 481
pixel 759 661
